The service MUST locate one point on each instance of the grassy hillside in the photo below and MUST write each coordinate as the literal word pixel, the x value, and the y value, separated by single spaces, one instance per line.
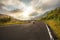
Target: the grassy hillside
pixel 7 20
pixel 53 19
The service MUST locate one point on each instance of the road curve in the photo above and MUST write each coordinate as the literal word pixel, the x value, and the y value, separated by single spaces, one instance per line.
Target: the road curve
pixel 30 31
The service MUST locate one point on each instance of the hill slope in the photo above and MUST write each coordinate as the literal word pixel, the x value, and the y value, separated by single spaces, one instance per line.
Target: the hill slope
pixel 7 20
pixel 53 19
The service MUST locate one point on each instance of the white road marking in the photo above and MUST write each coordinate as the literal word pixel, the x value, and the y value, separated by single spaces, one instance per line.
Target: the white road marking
pixel 51 37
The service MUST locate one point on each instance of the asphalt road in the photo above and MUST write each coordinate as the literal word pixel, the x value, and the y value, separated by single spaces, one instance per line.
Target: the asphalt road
pixel 30 31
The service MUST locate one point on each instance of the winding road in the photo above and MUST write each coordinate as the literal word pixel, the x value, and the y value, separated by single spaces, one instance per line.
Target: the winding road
pixel 30 31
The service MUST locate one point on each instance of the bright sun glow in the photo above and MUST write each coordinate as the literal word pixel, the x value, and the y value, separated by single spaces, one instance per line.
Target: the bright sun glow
pixel 28 11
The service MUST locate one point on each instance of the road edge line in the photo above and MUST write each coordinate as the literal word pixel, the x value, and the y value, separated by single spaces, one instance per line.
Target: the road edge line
pixel 51 37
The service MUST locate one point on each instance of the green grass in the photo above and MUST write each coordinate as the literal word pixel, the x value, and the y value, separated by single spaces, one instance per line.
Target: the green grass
pixel 53 20
pixel 6 20
pixel 55 27
pixel 12 22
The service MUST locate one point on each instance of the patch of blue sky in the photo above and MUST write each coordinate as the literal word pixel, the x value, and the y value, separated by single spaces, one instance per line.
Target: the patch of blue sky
pixel 26 1
pixel 10 8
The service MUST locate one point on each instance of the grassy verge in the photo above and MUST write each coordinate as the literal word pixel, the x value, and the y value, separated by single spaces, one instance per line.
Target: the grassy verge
pixel 53 20
pixel 11 23
pixel 55 27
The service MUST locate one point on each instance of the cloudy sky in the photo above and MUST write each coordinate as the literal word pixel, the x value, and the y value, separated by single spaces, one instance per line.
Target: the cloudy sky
pixel 27 9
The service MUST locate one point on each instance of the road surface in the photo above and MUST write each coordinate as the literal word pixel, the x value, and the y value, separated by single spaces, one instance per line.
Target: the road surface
pixel 30 31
